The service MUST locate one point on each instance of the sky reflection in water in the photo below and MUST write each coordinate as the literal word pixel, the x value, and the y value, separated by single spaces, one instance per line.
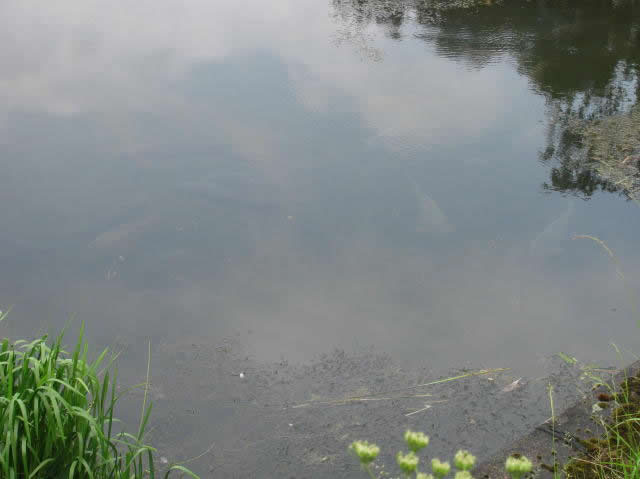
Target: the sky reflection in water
pixel 297 175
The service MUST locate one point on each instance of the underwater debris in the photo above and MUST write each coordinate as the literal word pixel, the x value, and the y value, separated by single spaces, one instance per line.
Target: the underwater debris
pixel 512 386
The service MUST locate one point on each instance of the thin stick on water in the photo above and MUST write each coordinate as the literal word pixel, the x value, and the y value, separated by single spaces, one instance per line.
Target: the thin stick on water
pixel 461 376
pixel 187 461
pixel 426 406
pixel 553 432
pixel 143 414
pixel 632 298
pixel 374 397
pixel 367 468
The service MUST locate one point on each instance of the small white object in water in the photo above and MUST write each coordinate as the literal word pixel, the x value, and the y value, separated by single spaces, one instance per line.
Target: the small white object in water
pixel 241 375
pixel 164 460
pixel 510 387
pixel 290 425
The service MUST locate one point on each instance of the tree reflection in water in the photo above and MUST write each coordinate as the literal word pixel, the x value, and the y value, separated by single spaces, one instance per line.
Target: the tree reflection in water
pixel 583 56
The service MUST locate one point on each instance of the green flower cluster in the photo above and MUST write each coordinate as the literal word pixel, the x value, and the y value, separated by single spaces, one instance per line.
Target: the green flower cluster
pixel 440 469
pixel 464 460
pixel 516 466
pixel 416 440
pixel 408 462
pixel 365 451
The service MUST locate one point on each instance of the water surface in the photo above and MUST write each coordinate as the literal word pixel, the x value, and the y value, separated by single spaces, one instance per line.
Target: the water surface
pixel 309 176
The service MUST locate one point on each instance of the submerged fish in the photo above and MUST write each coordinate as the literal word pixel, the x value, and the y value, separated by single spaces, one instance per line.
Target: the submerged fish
pixel 247 192
pixel 431 218
pixel 123 232
pixel 549 241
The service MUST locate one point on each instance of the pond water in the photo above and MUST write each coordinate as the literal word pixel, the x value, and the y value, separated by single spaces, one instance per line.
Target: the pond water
pixel 259 185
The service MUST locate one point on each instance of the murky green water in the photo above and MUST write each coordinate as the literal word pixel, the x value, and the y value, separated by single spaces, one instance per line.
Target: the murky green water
pixel 300 176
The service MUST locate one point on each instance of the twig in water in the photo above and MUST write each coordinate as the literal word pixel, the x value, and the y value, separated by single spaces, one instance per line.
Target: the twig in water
pixel 372 396
pixel 426 406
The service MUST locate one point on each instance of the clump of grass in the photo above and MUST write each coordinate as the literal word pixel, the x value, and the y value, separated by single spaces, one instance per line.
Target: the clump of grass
pixel 57 416
pixel 409 463
pixel 617 453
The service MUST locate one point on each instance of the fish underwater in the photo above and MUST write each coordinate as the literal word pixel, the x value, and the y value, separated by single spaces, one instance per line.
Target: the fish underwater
pixel 551 240
pixel 430 217
pixel 124 232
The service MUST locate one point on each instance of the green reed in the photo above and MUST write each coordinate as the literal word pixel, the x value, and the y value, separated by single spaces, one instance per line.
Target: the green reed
pixel 57 416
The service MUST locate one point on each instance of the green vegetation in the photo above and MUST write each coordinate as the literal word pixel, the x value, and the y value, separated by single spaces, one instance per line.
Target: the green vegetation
pixel 516 466
pixel 57 416
pixel 611 143
pixel 617 453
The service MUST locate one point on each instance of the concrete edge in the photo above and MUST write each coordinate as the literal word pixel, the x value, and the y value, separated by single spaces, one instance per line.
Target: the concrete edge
pixel 575 421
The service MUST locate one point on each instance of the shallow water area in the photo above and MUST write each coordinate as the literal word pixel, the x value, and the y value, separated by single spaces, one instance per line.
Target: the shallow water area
pixel 362 196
